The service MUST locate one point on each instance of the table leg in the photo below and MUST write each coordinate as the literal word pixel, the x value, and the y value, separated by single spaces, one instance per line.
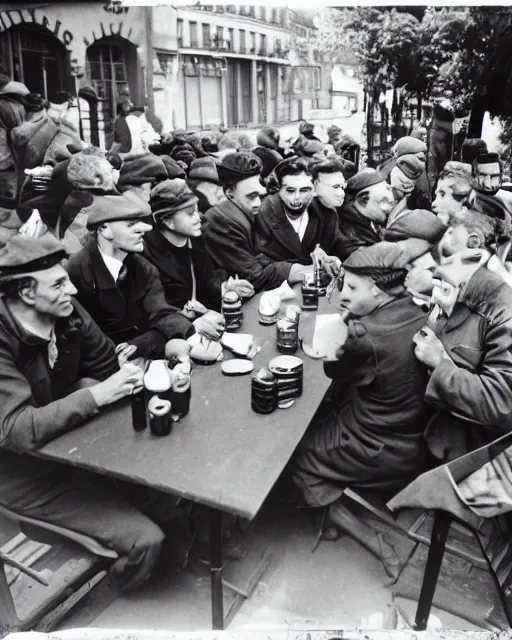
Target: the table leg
pixel 438 539
pixel 216 569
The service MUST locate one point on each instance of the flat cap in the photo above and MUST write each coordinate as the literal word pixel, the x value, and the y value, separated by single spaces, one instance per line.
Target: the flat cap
pixel 362 180
pixel 269 159
pixel 127 206
pixel 204 170
pixel 23 255
pixel 174 170
pixel 268 137
pixel 238 166
pixel 138 170
pixel 169 197
pixel 411 166
pixel 409 144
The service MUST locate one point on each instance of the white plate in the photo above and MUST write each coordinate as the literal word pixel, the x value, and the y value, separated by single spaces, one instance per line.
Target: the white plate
pixel 237 367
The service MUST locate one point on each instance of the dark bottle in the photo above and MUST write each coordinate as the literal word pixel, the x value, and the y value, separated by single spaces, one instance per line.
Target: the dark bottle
pixel 139 412
pixel 287 336
pixel 264 396
pixel 309 296
pixel 160 419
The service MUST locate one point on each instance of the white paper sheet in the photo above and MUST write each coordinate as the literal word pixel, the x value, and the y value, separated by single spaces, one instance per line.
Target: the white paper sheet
pixel 329 330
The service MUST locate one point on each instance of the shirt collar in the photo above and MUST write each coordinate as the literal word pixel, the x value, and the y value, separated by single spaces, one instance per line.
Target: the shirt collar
pixel 113 264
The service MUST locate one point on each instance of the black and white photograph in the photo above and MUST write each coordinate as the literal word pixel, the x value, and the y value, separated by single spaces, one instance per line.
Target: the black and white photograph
pixel 255 321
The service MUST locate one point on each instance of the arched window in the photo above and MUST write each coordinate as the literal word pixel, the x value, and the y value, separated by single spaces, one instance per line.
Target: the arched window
pixel 32 55
pixel 112 66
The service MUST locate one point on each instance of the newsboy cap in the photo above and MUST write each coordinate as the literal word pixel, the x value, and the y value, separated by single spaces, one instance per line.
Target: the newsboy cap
pixel 411 166
pixel 169 197
pixel 138 170
pixel 204 170
pixel 127 206
pixel 362 180
pixel 23 255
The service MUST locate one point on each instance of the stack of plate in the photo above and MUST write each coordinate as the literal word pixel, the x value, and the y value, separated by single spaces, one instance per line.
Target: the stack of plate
pixel 289 373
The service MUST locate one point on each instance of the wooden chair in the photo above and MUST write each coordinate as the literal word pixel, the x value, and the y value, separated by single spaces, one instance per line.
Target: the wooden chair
pixel 96 559
pixel 498 560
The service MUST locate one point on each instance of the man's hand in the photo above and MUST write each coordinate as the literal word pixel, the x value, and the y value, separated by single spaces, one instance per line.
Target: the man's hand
pixel 330 264
pixel 192 309
pixel 242 287
pixel 419 280
pixel 429 349
pixel 176 348
pixel 125 351
pixel 298 271
pixel 124 382
pixel 211 325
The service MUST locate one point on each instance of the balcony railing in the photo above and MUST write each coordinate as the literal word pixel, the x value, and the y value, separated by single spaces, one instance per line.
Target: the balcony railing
pixel 262 51
pixel 194 44
pixel 207 43
pixel 180 41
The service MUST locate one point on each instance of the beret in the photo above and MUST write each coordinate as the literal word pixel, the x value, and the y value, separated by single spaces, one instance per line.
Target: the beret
pixel 204 170
pixel 238 166
pixel 23 255
pixel 117 207
pixel 362 180
pixel 382 255
pixel 411 166
pixel 137 170
pixel 169 197
pixel 409 144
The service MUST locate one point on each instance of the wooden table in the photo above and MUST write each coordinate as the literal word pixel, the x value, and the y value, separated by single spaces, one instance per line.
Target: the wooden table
pixel 221 454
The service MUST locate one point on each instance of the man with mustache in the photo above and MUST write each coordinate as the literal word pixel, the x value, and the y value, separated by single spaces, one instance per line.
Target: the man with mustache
pixel 229 227
pixel 119 288
pixel 293 223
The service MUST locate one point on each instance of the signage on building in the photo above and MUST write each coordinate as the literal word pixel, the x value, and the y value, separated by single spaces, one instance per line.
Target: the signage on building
pixel 14 18
pixel 115 6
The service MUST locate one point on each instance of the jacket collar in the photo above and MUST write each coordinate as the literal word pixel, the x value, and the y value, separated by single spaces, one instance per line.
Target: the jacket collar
pixel 102 277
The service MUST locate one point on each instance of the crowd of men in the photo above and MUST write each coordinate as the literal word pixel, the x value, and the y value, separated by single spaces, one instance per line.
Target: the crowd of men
pixel 132 250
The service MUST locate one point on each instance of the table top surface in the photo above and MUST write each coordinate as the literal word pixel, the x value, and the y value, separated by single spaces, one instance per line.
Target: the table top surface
pixel 222 454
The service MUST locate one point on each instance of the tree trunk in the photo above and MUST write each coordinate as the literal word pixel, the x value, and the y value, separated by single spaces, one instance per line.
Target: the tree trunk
pixel 476 118
pixel 419 111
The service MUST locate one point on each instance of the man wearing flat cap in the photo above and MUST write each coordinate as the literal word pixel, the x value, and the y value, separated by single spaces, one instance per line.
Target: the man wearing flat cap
pixel 120 289
pixel 408 145
pixel 369 435
pixel 203 180
pixel 175 247
pixel 139 173
pixel 229 227
pixel 59 370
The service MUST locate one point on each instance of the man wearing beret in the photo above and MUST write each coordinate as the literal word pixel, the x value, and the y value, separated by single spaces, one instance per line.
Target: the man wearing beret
pixel 403 179
pixel 175 247
pixel 59 370
pixel 119 288
pixel 293 224
pixel 203 180
pixel 229 227
pixel 370 433
pixel 409 145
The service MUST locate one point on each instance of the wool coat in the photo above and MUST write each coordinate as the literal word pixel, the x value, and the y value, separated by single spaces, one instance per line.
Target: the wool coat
pixel 38 404
pixel 141 316
pixel 371 435
pixel 276 238
pixel 229 239
pixel 473 390
pixel 174 266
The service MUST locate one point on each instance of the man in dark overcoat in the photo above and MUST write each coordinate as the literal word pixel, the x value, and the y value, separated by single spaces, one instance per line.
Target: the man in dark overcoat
pixel 49 346
pixel 120 289
pixel 293 224
pixel 370 435
pixel 229 227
